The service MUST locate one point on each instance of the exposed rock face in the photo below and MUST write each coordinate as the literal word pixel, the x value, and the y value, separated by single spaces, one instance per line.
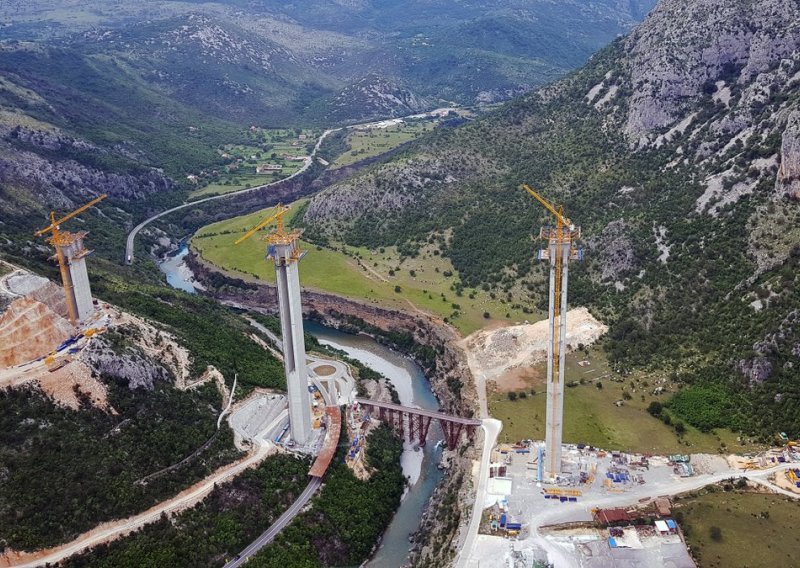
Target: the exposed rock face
pixel 375 96
pixel 374 193
pixel 28 330
pixel 451 363
pixel 64 183
pixel 788 182
pixel 685 46
pixel 52 295
pixel 130 365
pixel 775 346
pixel 615 249
pixel 756 370
pixel 494 353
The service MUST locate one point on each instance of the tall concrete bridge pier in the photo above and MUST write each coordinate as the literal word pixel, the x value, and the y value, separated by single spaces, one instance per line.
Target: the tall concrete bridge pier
pixel 286 255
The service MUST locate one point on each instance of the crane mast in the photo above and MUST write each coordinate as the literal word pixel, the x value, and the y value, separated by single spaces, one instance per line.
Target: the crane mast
pixel 70 254
pixel 561 248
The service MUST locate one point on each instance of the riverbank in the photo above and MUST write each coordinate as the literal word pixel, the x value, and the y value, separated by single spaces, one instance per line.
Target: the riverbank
pixel 433 344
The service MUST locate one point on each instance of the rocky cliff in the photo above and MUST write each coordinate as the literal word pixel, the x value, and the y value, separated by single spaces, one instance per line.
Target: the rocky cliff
pixel 677 151
pixel 28 329
pixel 449 374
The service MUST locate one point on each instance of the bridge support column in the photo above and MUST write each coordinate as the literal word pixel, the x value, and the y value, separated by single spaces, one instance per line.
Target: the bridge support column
pixel 452 432
pixel 423 423
pixel 401 416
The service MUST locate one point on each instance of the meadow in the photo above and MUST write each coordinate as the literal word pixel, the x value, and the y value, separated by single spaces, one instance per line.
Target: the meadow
pixel 371 142
pixel 734 528
pixel 613 416
pixel 381 276
pixel 267 146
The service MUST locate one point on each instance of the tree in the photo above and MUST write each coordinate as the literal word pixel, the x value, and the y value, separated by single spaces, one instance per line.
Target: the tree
pixel 680 428
pixel 715 533
pixel 655 408
pixel 512 396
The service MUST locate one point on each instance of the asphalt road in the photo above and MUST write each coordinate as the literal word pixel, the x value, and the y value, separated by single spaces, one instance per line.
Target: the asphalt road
pixel 287 517
pixel 491 429
pixel 129 245
pixel 309 161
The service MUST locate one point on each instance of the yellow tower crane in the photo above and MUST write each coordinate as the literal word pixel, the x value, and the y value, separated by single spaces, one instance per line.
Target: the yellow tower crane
pixel 561 248
pixel 279 235
pixel 60 239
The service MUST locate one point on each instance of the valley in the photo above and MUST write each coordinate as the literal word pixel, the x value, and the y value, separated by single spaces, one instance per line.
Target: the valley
pixel 384 277
pixel 399 136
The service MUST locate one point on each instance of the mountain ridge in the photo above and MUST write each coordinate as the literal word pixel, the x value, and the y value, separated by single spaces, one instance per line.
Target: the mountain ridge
pixel 682 171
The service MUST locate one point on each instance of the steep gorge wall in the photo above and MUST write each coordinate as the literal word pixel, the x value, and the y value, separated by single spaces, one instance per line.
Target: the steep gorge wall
pixel 451 367
pixel 435 543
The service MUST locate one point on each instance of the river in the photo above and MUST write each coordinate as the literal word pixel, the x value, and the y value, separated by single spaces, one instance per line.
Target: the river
pixel 413 388
pixel 178 274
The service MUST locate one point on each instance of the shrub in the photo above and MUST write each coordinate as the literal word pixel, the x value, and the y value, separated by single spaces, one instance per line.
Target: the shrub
pixel 655 408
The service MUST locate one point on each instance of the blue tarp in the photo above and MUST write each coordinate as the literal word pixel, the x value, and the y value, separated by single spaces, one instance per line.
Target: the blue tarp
pixel 671 524
pixel 612 542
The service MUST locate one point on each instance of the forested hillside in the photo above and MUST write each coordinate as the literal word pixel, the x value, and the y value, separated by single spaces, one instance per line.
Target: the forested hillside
pixel 677 149
pixel 130 98
pixel 255 58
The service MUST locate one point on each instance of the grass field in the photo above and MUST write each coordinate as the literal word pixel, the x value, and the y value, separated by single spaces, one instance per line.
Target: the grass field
pixel 268 146
pixel 592 417
pixel 376 276
pixel 376 141
pixel 756 530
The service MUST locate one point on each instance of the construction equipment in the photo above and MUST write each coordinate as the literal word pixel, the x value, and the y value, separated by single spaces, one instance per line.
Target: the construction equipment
pixel 283 250
pixel 564 492
pixel 278 235
pixel 561 249
pixel 70 254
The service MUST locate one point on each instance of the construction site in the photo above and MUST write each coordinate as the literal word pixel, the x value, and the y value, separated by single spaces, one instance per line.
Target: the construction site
pixel 543 500
pixel 45 327
pixel 574 505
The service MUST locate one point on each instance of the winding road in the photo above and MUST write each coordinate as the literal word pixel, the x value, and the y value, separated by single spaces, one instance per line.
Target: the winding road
pixel 129 245
pixel 288 516
pixel 113 530
pixel 491 429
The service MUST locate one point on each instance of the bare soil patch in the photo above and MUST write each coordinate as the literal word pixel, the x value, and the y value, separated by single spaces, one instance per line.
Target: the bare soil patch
pixel 505 355
pixel 324 370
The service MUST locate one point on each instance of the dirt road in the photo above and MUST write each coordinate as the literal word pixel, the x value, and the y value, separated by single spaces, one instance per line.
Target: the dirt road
pixel 116 529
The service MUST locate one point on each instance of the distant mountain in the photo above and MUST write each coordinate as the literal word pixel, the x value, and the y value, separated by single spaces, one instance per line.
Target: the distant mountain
pixel 143 93
pixel 678 151
pixel 464 51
